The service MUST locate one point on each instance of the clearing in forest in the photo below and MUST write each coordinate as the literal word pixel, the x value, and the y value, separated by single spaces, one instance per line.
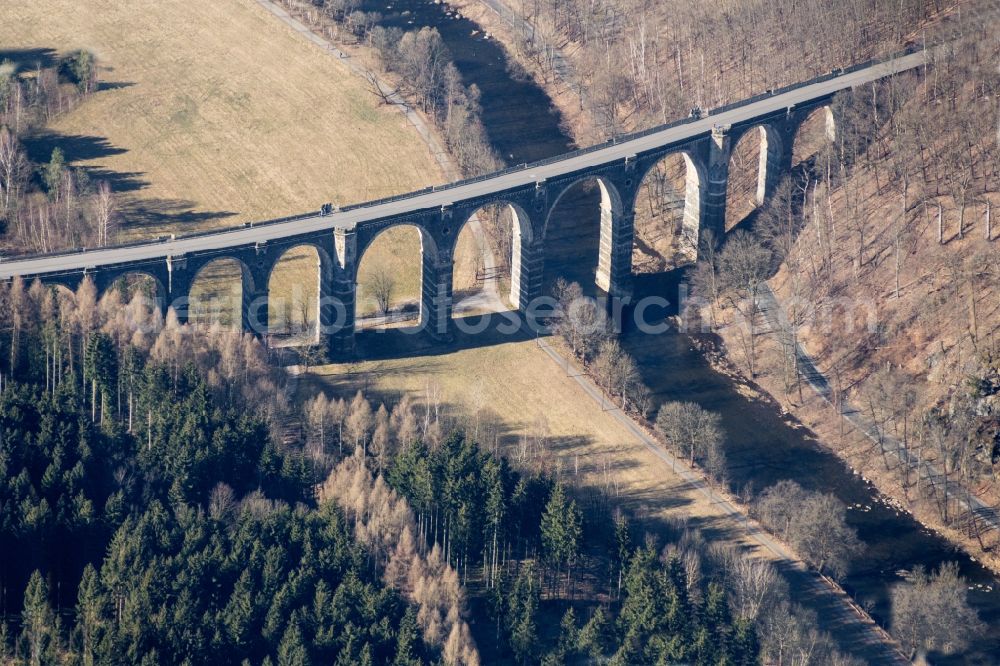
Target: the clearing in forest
pixel 498 386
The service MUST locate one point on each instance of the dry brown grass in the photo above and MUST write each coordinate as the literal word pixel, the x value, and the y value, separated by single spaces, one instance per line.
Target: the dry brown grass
pixel 396 247
pixel 528 393
pixel 216 295
pixel 226 113
pixel 292 289
pixel 223 109
pixel 467 262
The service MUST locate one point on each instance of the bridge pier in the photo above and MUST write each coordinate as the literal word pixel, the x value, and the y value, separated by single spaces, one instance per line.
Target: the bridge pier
pixel 614 266
pixel 179 281
pixel 436 297
pixel 775 159
pixel 338 295
pixel 255 318
pixel 337 318
pixel 256 265
pixel 526 267
pixel 326 314
pixel 714 215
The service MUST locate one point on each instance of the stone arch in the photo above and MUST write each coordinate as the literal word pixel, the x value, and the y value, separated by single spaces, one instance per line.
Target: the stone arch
pixel 294 285
pixel 813 132
pixel 425 267
pixel 64 288
pixel 132 279
pixel 611 200
pixel 218 293
pixel 686 210
pixel 615 246
pixel 513 234
pixel 753 168
pixel 136 280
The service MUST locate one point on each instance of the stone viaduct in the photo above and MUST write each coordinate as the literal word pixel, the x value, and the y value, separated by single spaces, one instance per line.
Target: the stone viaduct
pixel 341 237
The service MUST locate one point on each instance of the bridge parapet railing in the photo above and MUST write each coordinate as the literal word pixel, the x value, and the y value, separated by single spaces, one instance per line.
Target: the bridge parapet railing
pixel 515 168
pixel 163 239
pixel 527 166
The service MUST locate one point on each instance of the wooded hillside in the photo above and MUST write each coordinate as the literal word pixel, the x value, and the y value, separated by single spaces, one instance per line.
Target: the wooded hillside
pixel 637 63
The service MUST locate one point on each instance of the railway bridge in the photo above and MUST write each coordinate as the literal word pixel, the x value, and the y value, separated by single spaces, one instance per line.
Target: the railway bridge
pixel 341 236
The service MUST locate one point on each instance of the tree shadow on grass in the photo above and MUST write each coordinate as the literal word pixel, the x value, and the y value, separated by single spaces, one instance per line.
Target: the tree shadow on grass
pixel 27 59
pixel 146 215
pixel 386 343
pixel 159 213
pixel 80 147
pixel 30 58
pixel 137 213
pixel 75 147
pixel 120 181
pixel 113 85
pixel 364 378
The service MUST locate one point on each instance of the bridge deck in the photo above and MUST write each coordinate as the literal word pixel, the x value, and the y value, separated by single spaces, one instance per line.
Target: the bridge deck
pixel 350 217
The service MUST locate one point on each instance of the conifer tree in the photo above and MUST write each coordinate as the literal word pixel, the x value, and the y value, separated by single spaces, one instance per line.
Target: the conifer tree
pixel 623 541
pixel 496 514
pixel 593 637
pixel 407 639
pixel 522 614
pixel 38 623
pixel 292 650
pixel 569 633
pixel 90 615
pixel 561 529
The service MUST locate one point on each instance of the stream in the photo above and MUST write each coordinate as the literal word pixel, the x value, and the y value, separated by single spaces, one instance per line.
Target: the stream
pixel 763 446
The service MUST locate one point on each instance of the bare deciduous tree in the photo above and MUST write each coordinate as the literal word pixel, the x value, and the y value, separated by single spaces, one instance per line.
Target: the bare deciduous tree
pixel 381 438
pixel 745 265
pixel 318 425
pixel 105 218
pixel 813 523
pixel 359 421
pixel 404 423
pixel 381 284
pixel 582 322
pixel 384 522
pixel 695 432
pixel 616 373
pixel 377 88
pixel 705 279
pixel 931 612
pixel 14 168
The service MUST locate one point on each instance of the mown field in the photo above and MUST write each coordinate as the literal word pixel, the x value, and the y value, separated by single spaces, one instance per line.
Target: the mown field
pixel 500 384
pixel 215 113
